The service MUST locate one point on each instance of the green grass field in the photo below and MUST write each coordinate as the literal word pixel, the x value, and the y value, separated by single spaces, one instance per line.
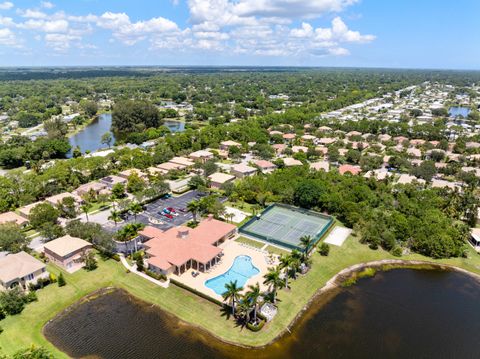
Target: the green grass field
pixel 250 242
pixel 24 329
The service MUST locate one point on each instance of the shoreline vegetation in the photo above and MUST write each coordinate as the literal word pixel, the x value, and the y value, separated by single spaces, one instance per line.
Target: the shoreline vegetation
pixel 327 274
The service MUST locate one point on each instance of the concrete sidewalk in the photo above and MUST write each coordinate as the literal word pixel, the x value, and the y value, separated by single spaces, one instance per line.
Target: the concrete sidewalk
pixel 133 269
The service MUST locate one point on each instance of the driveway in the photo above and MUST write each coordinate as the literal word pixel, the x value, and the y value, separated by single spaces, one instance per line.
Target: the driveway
pixel 152 217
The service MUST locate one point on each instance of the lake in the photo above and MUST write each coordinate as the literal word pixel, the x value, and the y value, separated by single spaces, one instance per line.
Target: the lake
pixel 458 111
pixel 90 138
pixel 397 314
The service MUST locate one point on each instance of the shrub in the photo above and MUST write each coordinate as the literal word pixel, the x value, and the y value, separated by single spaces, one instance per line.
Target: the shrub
pixel 12 301
pixel 397 251
pixel 61 280
pixel 256 328
pixel 324 249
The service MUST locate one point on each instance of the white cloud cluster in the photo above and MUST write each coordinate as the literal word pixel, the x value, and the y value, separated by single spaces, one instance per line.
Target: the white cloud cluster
pixel 258 27
pixel 6 5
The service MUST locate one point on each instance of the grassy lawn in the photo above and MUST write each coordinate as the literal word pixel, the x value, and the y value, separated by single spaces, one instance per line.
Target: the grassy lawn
pixel 276 250
pixel 26 328
pixel 243 206
pixel 250 242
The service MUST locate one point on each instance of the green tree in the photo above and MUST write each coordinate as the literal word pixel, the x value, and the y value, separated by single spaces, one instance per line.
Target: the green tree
pixel 274 281
pixel 33 352
pixel 61 280
pixel 88 257
pixel 252 295
pixel 43 214
pixel 232 294
pixel 194 208
pixel 107 139
pixel 12 239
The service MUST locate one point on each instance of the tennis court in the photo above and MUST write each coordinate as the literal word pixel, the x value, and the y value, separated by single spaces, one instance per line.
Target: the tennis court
pixel 285 225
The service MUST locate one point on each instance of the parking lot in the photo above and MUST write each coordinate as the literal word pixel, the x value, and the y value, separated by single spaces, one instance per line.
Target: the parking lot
pixel 152 217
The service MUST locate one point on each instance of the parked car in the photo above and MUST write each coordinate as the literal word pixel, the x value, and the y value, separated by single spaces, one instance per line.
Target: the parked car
pixel 167 215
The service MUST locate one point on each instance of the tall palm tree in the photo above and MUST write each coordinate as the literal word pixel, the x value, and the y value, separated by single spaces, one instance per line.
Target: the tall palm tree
pixel 114 216
pixel 285 261
pixel 244 309
pixel 136 208
pixel 273 280
pixel 86 207
pixel 252 297
pixel 306 243
pixel 194 207
pixel 232 294
pixel 295 262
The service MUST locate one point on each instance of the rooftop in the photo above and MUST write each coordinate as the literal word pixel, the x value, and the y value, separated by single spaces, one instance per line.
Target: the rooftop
pixel 18 265
pixel 66 245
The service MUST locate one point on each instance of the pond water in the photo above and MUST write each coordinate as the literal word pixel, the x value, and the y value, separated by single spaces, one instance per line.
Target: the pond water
pixel 398 314
pixel 458 111
pixel 90 138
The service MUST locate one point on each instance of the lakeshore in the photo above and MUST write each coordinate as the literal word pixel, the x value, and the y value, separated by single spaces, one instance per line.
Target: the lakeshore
pixel 324 274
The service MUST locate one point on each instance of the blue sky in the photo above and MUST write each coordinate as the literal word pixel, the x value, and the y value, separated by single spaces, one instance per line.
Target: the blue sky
pixel 370 33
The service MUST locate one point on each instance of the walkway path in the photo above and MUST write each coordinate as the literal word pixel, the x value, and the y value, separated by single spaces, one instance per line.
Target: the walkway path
pixel 133 269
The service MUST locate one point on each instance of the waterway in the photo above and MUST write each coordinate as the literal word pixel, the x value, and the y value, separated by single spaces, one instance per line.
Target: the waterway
pixel 90 137
pixel 459 111
pixel 402 313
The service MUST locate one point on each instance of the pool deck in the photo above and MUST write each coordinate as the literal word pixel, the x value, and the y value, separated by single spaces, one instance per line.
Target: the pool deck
pixel 231 249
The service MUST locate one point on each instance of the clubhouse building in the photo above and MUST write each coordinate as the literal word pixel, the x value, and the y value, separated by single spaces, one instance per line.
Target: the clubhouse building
pixel 179 249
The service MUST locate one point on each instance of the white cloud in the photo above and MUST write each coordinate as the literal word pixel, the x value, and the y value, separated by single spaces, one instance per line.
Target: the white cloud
pixel 290 8
pixel 32 14
pixel 7 38
pixel 47 5
pixel 60 42
pixel 6 21
pixel 130 33
pixel 6 5
pixel 57 26
pixel 305 31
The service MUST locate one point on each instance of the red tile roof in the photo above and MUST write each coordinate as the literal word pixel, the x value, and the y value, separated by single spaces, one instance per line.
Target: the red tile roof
pixel 176 246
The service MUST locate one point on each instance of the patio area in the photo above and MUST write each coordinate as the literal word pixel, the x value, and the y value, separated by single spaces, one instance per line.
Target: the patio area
pixel 231 250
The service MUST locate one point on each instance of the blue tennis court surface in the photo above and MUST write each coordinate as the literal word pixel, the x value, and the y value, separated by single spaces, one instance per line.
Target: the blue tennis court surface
pixel 285 225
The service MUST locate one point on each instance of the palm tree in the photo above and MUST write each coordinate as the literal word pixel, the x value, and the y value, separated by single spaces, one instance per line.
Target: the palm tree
pixel 86 207
pixel 115 217
pixel 194 207
pixel 295 262
pixel 274 281
pixel 136 208
pixel 244 309
pixel 232 293
pixel 252 297
pixel 306 243
pixel 285 261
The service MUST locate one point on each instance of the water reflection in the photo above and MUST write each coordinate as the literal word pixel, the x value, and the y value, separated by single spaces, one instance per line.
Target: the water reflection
pixel 398 314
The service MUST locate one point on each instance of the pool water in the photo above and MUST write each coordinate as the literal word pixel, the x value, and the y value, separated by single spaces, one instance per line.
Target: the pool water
pixel 241 271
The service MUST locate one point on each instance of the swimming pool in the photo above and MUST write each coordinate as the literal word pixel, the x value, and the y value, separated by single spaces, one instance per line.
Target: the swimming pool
pixel 241 270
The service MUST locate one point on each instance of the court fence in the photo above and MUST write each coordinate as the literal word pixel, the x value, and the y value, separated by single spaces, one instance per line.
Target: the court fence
pixel 316 238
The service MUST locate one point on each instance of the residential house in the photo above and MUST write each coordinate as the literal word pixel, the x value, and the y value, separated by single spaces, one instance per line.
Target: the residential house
pixel 354 170
pixel 25 210
pixel 201 155
pixel 21 269
pixel 265 166
pixel 225 145
pixel 12 217
pixel 67 252
pixel 242 170
pixel 217 179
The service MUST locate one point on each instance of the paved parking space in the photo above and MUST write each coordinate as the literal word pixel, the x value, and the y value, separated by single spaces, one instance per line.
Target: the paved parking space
pixel 151 216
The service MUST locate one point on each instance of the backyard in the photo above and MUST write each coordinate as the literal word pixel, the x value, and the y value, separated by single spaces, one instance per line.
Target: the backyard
pixel 26 328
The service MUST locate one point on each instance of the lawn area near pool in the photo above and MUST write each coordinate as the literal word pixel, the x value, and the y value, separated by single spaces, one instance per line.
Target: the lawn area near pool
pixel 250 242
pixel 22 330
